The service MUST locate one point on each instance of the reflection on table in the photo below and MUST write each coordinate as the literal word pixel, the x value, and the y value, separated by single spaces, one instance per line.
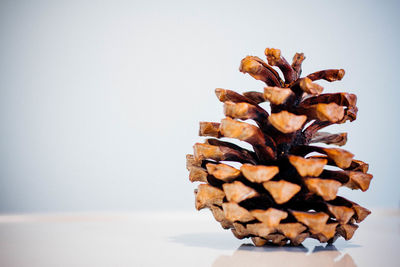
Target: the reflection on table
pixel 249 255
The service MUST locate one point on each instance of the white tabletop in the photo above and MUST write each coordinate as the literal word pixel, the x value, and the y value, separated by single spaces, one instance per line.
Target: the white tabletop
pixel 179 239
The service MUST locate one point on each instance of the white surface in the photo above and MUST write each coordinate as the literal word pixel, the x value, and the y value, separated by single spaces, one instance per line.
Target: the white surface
pixel 178 239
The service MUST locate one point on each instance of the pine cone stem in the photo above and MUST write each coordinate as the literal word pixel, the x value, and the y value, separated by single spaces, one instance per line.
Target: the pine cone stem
pixel 296 63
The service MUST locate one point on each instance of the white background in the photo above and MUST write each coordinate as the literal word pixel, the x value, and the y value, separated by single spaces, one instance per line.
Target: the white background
pixel 100 100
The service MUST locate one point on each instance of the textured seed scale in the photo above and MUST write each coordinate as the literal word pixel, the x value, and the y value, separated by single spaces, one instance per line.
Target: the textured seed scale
pixel 283 192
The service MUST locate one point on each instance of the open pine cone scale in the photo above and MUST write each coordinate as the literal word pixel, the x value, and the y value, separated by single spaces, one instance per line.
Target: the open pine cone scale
pixel 280 193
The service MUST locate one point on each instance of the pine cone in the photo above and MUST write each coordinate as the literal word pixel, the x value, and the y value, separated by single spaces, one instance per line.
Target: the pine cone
pixel 280 193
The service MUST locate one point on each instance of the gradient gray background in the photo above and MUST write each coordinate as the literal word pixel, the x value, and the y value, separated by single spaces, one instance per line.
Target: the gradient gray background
pixel 100 100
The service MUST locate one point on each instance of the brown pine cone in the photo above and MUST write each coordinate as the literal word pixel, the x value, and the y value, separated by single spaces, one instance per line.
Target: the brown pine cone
pixel 280 193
